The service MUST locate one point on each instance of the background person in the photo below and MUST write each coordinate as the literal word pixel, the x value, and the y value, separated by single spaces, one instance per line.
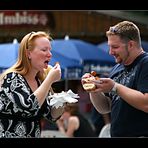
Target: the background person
pixel 99 120
pixel 73 124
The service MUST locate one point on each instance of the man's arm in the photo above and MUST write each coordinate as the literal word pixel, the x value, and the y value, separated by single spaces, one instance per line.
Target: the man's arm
pixel 100 102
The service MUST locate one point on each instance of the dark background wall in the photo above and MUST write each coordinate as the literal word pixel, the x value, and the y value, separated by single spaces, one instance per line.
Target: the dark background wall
pixel 86 25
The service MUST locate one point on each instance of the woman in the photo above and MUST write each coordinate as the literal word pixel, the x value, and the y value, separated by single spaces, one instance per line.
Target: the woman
pixel 24 89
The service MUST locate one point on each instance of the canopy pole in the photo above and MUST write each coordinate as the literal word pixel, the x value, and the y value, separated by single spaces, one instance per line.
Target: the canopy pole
pixel 66 80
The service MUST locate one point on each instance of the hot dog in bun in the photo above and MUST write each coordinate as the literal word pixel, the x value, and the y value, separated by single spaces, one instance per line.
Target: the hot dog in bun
pixel 88 85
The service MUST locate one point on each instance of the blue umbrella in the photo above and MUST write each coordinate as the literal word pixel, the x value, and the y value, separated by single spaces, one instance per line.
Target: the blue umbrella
pixel 8 54
pixel 83 52
pixel 145 45
pixel 64 61
pixel 104 46
pixel 71 69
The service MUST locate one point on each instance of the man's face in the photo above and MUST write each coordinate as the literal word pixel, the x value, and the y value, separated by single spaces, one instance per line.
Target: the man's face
pixel 118 49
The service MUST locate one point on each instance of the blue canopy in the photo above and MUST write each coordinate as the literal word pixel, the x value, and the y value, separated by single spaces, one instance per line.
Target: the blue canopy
pixel 70 68
pixel 64 61
pixel 145 45
pixel 81 51
pixel 104 46
pixel 8 54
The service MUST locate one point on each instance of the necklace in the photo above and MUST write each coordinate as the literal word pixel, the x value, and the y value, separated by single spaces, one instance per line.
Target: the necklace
pixel 138 54
pixel 141 52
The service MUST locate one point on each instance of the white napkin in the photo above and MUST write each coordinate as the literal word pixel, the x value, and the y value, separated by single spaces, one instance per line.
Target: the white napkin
pixel 58 99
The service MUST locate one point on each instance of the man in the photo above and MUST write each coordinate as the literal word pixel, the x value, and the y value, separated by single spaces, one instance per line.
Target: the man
pixel 125 92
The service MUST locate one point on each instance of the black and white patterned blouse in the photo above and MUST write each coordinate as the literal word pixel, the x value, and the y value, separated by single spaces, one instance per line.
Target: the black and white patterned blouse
pixel 20 112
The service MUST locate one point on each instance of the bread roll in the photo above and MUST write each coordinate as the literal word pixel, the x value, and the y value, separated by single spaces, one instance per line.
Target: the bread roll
pixel 88 85
pixel 46 71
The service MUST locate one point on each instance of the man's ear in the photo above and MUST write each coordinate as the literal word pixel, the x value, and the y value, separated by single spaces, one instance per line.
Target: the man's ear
pixel 131 44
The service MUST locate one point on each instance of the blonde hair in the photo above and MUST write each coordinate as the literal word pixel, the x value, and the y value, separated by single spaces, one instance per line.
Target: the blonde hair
pixel 126 30
pixel 22 65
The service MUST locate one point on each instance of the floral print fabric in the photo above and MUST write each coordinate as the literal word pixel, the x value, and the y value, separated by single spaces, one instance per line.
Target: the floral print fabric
pixel 20 112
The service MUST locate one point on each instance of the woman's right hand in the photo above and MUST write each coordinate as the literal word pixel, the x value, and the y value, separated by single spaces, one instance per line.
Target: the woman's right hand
pixel 55 73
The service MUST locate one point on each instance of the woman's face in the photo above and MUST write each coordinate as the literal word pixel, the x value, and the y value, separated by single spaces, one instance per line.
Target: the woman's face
pixel 41 54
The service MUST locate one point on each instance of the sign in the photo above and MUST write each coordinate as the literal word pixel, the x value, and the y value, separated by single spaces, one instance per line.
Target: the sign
pixel 98 68
pixel 23 18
